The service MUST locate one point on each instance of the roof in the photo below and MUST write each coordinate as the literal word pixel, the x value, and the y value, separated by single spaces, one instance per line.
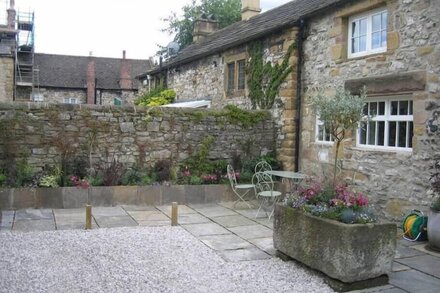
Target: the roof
pixel 64 71
pixel 241 32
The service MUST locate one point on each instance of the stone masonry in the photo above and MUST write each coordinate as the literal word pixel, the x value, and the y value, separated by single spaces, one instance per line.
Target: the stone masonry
pixel 131 135
pixel 6 78
pixel 395 181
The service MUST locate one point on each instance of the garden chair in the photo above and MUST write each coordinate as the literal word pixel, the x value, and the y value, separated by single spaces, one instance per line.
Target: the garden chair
pixel 262 166
pixel 240 190
pixel 265 192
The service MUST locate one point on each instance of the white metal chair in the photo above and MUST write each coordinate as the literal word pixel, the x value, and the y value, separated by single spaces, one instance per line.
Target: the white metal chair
pixel 241 190
pixel 262 166
pixel 264 190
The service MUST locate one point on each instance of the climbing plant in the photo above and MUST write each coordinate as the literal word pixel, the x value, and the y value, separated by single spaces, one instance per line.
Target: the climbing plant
pixel 264 78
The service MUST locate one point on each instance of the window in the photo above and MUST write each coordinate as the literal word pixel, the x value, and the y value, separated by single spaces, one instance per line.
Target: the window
pixel 236 76
pixel 367 33
pixel 241 74
pixel 231 77
pixel 322 133
pixel 37 97
pixel 391 125
pixel 117 101
pixel 70 101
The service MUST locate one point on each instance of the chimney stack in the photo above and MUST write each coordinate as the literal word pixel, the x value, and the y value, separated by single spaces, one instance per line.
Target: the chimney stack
pixel 125 81
pixel 204 26
pixel 249 8
pixel 91 80
pixel 11 15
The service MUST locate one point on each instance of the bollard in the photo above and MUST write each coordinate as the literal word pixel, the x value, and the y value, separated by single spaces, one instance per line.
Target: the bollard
pixel 88 217
pixel 174 214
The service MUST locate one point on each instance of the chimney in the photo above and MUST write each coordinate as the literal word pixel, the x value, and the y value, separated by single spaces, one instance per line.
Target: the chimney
pixel 125 82
pixel 249 8
pixel 204 26
pixel 11 15
pixel 91 80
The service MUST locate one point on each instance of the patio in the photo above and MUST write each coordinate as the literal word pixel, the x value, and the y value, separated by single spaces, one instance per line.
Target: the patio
pixel 233 237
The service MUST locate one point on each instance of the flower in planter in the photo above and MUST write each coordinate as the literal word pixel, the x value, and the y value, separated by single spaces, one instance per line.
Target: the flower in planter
pixel 210 179
pixel 80 183
pixel 337 203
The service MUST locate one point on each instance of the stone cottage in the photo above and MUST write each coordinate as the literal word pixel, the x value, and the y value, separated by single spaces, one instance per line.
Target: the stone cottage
pixel 390 46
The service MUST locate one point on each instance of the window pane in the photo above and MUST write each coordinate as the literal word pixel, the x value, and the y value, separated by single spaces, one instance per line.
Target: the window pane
pixel 377 22
pixel 362 44
pixel 394 105
pixel 384 39
pixel 392 134
pixel 410 134
pixel 241 74
pixel 363 133
pixel 373 108
pixel 355 45
pixel 403 108
pixel 365 111
pixel 372 133
pixel 410 107
pixel 363 27
pixel 381 108
pixel 354 29
pixel 380 133
pixel 384 20
pixel 402 134
pixel 231 76
pixel 320 132
pixel 327 134
pixel 375 40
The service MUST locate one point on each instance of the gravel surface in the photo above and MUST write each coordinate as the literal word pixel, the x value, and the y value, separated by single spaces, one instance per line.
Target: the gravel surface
pixel 140 259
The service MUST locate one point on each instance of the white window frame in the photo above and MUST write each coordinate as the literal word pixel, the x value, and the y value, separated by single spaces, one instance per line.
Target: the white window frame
pixel 318 124
pixel 70 101
pixel 387 117
pixel 369 16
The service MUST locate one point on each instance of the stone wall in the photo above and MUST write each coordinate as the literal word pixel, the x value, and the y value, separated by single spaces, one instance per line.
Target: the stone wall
pixel 107 97
pixel 395 181
pixel 132 135
pixel 206 78
pixel 56 95
pixel 6 78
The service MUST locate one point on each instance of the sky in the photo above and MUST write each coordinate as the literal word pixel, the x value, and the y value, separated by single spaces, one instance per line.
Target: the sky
pixel 104 27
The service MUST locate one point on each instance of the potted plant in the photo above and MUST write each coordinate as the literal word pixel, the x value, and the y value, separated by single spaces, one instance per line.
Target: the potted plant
pixel 434 213
pixel 328 226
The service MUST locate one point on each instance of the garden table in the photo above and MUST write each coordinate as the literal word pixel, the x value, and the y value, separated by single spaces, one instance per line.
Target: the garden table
pixel 294 178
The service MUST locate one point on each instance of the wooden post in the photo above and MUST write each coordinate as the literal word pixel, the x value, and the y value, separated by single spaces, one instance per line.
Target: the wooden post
pixel 174 214
pixel 88 217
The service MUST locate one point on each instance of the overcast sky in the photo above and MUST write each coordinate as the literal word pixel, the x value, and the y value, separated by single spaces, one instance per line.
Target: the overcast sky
pixel 105 27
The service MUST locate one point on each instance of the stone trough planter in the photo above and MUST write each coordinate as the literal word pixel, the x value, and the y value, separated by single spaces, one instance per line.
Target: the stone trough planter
pixel 359 254
pixel 73 197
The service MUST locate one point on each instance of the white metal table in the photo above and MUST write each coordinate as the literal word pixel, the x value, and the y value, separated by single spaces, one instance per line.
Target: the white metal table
pixel 294 178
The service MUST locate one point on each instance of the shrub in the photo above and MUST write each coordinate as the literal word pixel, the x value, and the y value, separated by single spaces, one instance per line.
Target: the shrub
pixel 156 97
pixel 162 170
pixel 111 173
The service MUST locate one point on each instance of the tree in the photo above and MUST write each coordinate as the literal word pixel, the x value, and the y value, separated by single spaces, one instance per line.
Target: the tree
pixel 340 113
pixel 225 12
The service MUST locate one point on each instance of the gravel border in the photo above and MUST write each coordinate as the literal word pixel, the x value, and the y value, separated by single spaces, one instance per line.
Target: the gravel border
pixel 138 259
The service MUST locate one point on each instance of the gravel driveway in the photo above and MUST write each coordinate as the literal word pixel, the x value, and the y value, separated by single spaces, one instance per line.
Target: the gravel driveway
pixel 139 259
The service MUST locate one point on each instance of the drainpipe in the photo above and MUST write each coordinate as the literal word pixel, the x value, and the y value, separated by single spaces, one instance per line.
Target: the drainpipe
pixel 300 38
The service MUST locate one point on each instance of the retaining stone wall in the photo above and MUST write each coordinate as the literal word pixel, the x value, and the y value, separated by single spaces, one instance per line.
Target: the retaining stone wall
pixel 132 135
pixel 395 181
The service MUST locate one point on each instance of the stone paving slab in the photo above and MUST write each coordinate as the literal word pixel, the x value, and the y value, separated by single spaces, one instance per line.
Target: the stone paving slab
pixel 192 219
pixel 265 244
pixel 398 267
pixel 69 219
pixel 422 248
pixel 233 221
pixel 240 205
pixel 209 210
pixel 108 212
pixel 205 229
pixel 381 289
pixel 182 209
pixel 154 223
pixel 415 281
pixel 129 208
pixel 33 225
pixel 33 214
pixel 148 216
pixel 7 219
pixel 404 252
pixel 112 222
pixel 265 222
pixel 424 263
pixel 250 232
pixel 245 254
pixel 251 213
pixel 225 242
pixel 75 225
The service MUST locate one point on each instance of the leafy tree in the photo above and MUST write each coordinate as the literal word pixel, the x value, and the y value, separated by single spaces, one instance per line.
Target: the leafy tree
pixel 225 12
pixel 340 113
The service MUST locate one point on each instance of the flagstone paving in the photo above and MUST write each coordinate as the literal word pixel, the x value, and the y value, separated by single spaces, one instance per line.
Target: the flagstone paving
pixel 233 232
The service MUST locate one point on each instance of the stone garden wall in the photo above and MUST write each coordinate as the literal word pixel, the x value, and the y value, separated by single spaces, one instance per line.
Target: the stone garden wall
pixel 395 180
pixel 6 78
pixel 44 133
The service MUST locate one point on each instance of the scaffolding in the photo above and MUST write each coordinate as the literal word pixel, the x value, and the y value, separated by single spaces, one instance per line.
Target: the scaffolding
pixel 26 73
